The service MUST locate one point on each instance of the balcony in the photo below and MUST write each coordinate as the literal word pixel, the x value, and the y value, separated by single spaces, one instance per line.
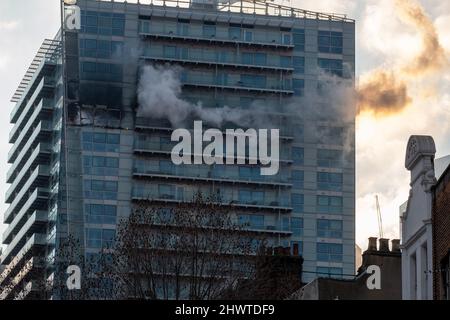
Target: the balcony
pixel 226 174
pixel 158 148
pixel 25 119
pixel 40 85
pixel 169 33
pixel 286 133
pixel 213 59
pixel 29 159
pixel 37 182
pixel 42 172
pixel 36 223
pixel 29 137
pixel 36 240
pixel 234 83
pixel 228 198
pixel 38 218
pixel 31 265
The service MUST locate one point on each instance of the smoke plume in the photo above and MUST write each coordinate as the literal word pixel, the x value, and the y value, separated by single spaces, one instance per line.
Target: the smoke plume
pixel 387 91
pixel 383 92
pixel 159 97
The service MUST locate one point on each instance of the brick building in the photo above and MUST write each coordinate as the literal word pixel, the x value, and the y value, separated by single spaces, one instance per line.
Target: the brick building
pixel 441 237
pixel 387 259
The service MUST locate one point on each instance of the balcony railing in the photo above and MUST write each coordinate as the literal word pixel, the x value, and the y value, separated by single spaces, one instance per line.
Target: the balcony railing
pixel 209 173
pixel 11 252
pixel 44 104
pixel 40 170
pixel 166 148
pixel 286 132
pixel 38 179
pixel 46 82
pixel 27 157
pixel 233 82
pixel 164 31
pixel 234 61
pixel 19 221
pixel 28 137
pixel 229 198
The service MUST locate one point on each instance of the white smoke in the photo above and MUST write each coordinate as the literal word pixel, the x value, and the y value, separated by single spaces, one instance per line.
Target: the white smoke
pixel 159 92
pixel 160 89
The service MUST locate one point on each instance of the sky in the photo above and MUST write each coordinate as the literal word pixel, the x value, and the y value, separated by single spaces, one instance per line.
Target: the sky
pixel 387 41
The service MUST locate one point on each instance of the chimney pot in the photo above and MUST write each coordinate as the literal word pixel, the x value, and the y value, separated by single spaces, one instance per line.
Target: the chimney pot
pixel 395 245
pixel 372 244
pixel 384 245
pixel 296 250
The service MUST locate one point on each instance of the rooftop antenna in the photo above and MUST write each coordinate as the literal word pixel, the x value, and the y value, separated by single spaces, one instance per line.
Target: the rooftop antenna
pixel 380 221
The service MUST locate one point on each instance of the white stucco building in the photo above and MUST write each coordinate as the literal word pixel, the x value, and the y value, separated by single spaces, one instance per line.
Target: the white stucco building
pixel 415 220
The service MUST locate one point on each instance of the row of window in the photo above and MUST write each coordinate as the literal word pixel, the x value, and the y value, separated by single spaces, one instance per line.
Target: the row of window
pixel 236 32
pixel 329 252
pixel 250 58
pixel 101 166
pixel 100 189
pixel 257 222
pixel 100 214
pixel 101 49
pixel 101 142
pixel 330 42
pixel 327 41
pixel 96 71
pixel 100 238
pixel 325 158
pixel 325 204
pixel 102 23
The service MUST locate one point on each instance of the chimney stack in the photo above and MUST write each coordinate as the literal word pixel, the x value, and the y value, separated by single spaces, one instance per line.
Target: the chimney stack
pixel 395 245
pixel 372 244
pixel 384 245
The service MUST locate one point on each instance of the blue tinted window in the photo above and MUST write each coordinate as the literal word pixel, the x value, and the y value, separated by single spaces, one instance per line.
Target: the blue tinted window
pixel 297 227
pixel 330 42
pixel 234 33
pixel 330 158
pixel 298 202
pixel 298 85
pixel 299 64
pixel 298 178
pixel 100 189
pixel 298 156
pixel 285 62
pixel 209 31
pixel 298 38
pixel 101 214
pixel 329 181
pixel 329 252
pixel 329 228
pixel 332 66
pixel 330 205
pixel 100 238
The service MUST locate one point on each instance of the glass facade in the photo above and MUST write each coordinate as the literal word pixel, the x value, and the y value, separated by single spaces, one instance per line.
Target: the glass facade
pixel 92 163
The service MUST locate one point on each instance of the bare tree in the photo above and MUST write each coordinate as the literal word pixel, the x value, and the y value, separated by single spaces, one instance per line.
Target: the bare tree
pixel 191 251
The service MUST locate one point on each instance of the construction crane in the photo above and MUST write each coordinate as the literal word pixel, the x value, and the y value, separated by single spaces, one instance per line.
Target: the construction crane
pixel 380 221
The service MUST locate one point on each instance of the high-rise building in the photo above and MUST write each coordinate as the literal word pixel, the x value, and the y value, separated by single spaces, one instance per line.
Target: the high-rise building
pixel 83 151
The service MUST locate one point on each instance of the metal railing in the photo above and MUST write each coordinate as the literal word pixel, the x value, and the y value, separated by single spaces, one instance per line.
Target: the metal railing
pixel 261 7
